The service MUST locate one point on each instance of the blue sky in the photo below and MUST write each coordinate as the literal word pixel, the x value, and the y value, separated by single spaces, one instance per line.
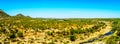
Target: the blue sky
pixel 63 8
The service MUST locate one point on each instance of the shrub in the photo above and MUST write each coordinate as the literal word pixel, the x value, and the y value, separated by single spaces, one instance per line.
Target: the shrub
pixel 72 37
pixel 20 34
pixel 72 31
pixel 49 33
pixel 78 31
pixel 51 42
pixel 12 35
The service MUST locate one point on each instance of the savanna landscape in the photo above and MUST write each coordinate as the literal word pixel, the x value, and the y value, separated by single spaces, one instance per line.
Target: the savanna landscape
pixel 22 29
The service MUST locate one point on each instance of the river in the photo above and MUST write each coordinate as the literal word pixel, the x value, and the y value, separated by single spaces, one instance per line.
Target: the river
pixel 97 38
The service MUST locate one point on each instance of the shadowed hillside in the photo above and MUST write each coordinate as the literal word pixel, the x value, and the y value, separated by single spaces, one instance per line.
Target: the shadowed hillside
pixel 3 14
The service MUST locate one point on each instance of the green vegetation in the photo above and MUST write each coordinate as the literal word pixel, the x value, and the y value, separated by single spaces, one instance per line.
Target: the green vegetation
pixel 72 37
pixel 24 29
pixel 12 35
pixel 20 34
pixel 49 33
pixel 116 28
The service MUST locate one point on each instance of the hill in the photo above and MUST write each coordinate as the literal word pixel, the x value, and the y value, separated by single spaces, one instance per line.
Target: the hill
pixel 3 14
pixel 20 15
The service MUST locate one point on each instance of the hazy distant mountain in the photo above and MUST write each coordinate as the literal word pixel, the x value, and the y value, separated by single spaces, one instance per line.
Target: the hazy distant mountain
pixel 3 14
pixel 20 15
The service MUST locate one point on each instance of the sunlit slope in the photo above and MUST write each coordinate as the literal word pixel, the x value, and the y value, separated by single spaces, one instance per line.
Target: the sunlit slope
pixel 18 30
